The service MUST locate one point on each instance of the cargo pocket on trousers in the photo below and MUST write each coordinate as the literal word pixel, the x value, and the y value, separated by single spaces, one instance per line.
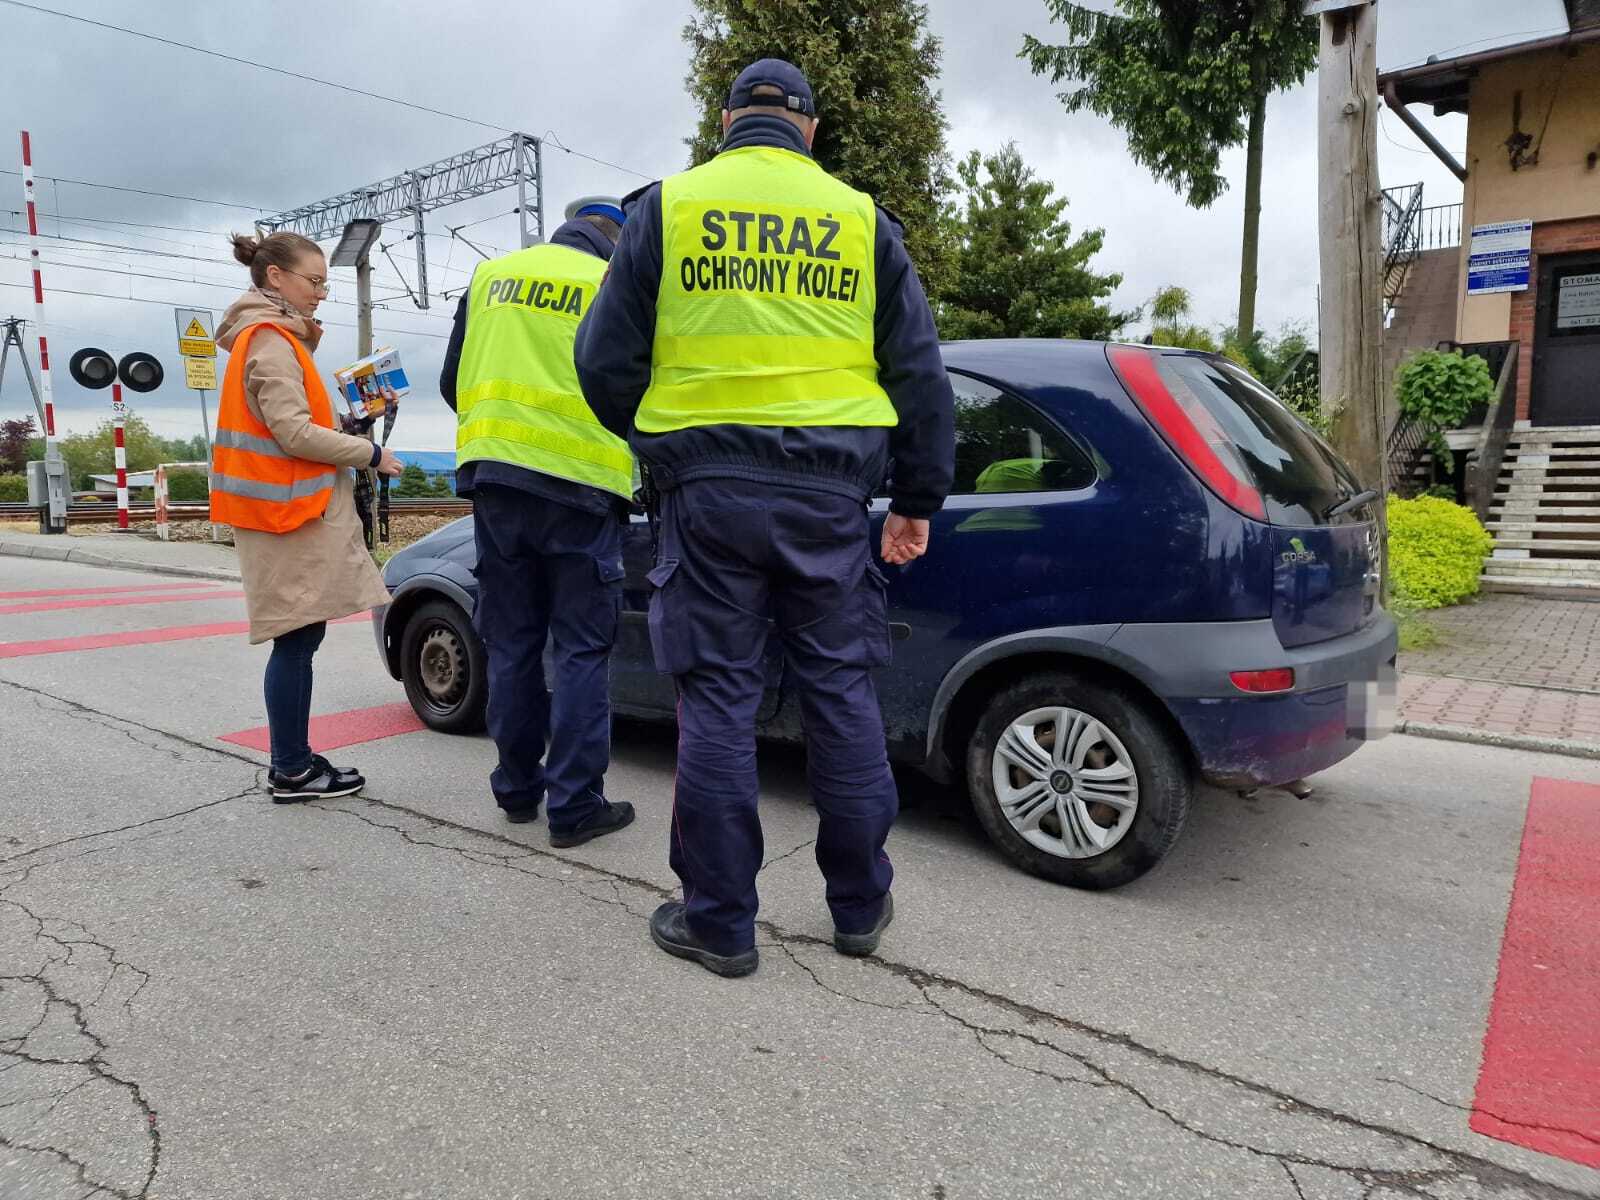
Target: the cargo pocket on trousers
pixel 610 574
pixel 872 606
pixel 670 643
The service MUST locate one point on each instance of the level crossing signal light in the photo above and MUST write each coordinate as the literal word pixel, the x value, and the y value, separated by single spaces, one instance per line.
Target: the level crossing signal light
pixel 94 369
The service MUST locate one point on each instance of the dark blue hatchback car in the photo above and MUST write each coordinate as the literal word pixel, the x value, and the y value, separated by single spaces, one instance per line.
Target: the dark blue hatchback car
pixel 1149 573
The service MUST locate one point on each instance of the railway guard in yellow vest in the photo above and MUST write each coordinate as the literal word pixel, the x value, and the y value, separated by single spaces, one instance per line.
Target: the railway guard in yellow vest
pixel 550 489
pixel 765 345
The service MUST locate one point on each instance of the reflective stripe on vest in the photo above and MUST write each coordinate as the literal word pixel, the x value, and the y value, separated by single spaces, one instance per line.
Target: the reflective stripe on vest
pixel 767 299
pixel 517 394
pixel 255 483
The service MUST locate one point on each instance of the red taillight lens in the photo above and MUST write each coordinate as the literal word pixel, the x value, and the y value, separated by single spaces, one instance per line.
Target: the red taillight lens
pixel 1189 428
pixel 1278 679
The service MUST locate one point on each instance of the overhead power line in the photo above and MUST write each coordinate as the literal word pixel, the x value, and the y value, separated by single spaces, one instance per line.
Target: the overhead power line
pixel 115 187
pixel 57 291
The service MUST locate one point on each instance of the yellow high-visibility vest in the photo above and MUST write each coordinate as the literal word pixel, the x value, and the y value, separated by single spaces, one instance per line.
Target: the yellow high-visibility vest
pixel 517 394
pixel 768 291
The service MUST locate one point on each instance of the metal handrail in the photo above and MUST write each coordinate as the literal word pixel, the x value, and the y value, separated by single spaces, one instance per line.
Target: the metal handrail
pixel 1439 226
pixel 1407 441
pixel 1401 240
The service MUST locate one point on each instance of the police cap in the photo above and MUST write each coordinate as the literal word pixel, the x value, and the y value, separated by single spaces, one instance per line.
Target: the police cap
pixel 596 206
pixel 795 92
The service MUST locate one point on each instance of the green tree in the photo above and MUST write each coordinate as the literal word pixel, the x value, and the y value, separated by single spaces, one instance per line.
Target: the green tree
pixel 14 439
pixel 438 485
pixel 1168 309
pixel 1185 80
pixel 872 65
pixel 1019 270
pixel 413 481
pixel 94 453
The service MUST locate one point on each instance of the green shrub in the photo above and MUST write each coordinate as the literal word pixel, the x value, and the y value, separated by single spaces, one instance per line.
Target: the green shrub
pixel 1441 491
pixel 1436 551
pixel 1438 388
pixel 187 487
pixel 13 488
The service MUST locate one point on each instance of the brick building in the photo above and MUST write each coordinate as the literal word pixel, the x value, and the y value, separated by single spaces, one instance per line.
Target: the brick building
pixel 1532 160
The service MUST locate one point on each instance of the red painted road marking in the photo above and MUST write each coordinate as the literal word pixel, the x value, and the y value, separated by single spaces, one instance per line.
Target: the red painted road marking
pixel 137 637
pixel 114 602
pixel 1539 1086
pixel 341 729
pixel 106 591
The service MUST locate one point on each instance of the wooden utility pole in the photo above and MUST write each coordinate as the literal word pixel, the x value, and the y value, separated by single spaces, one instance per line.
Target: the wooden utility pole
pixel 1348 195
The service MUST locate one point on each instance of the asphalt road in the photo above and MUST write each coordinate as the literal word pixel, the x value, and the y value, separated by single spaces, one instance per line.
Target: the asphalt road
pixel 203 995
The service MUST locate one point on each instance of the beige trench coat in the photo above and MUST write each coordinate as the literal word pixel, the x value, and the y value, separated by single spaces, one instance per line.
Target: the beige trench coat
pixel 320 571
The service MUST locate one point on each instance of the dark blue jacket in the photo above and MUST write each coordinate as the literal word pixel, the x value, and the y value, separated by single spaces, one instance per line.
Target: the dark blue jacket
pixel 578 235
pixel 613 355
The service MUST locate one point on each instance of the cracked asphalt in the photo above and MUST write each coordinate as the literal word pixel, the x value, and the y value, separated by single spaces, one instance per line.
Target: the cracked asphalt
pixel 203 995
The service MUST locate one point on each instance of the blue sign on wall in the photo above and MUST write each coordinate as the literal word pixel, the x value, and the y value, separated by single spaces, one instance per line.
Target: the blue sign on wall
pixel 1499 257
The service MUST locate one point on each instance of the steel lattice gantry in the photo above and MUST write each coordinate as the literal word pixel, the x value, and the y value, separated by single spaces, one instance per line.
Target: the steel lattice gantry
pixel 513 161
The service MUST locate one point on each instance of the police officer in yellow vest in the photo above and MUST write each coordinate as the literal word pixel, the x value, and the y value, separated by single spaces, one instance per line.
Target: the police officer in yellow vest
pixel 550 490
pixel 765 345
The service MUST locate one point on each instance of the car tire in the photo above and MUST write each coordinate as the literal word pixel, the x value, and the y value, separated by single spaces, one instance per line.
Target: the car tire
pixel 1081 832
pixel 443 667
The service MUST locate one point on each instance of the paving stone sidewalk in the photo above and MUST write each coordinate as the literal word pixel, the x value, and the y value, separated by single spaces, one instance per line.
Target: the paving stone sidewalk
pixel 201 560
pixel 1512 670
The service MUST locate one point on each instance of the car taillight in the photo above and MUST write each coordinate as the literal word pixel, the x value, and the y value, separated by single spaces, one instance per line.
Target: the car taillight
pixel 1277 679
pixel 1188 428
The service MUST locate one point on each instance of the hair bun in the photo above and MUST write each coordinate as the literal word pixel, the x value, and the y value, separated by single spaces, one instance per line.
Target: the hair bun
pixel 245 248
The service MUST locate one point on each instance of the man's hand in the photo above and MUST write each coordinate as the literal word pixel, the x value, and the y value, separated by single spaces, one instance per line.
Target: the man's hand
pixel 389 465
pixel 904 538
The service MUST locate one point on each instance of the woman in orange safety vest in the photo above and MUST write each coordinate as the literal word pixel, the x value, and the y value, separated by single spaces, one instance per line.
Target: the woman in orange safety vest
pixel 280 476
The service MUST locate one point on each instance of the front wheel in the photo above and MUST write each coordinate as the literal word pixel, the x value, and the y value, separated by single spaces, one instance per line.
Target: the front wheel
pixel 443 666
pixel 1077 782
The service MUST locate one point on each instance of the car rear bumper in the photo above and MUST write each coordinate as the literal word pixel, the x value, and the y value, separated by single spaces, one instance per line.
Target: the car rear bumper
pixel 1343 696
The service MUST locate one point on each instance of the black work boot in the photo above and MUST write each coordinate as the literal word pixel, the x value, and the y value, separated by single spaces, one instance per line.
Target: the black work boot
pixel 859 945
pixel 521 815
pixel 669 929
pixel 609 818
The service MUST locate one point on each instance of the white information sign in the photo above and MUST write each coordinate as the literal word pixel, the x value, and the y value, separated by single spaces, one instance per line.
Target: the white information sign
pixel 1578 302
pixel 1499 257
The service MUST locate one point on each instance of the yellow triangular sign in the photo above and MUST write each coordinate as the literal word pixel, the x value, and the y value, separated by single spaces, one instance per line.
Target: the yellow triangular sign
pixel 196 329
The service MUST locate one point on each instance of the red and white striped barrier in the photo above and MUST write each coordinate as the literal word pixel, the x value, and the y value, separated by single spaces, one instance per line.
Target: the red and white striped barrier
pixel 162 531
pixel 118 411
pixel 38 299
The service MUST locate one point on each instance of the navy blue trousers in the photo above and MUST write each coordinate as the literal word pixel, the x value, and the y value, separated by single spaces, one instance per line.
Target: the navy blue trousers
pixel 736 559
pixel 287 687
pixel 547 572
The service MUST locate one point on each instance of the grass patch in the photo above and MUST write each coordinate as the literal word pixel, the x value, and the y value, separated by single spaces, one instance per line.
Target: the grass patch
pixel 1416 631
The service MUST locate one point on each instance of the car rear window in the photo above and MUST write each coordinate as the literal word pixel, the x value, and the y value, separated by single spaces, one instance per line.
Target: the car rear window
pixel 1299 476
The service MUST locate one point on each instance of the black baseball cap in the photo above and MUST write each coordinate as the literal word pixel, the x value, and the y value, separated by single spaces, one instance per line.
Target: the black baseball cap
pixel 773 72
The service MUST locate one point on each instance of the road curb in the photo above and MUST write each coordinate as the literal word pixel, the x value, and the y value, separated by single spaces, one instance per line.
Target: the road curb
pixel 1503 741
pixel 89 558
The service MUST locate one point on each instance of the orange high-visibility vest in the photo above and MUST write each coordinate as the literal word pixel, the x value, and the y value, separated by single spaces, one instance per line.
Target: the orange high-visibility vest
pixel 255 484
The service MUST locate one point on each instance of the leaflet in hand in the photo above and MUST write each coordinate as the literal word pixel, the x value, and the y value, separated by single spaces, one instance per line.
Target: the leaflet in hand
pixel 372 386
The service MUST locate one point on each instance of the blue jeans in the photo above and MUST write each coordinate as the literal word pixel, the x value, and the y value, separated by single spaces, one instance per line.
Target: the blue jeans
pixel 547 573
pixel 288 691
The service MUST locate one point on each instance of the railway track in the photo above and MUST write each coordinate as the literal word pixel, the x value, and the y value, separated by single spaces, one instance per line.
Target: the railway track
pixel 99 513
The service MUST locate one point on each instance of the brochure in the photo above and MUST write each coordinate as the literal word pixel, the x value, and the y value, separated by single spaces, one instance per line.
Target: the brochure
pixel 374 384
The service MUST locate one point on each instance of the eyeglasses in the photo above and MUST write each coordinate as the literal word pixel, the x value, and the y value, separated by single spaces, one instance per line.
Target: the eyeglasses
pixel 320 286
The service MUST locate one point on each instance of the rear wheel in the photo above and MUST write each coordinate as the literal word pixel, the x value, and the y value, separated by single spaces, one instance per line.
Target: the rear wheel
pixel 443 667
pixel 1077 782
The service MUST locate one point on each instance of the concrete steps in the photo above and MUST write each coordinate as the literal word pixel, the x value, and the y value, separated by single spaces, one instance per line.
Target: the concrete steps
pixel 1545 515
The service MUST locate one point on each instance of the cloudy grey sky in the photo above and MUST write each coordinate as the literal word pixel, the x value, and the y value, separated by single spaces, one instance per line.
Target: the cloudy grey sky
pixel 604 79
